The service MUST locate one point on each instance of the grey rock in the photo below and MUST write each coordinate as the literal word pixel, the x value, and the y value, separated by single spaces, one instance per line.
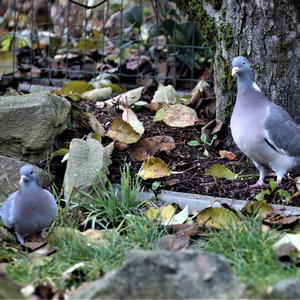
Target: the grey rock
pixel 10 176
pixel 184 274
pixel 29 124
pixel 87 161
pixel 286 289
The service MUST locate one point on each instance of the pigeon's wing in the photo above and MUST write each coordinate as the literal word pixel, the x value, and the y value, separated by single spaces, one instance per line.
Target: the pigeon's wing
pixel 281 132
pixel 6 210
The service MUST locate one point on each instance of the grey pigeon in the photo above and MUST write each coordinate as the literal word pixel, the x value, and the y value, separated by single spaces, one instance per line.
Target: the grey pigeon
pixel 261 129
pixel 29 210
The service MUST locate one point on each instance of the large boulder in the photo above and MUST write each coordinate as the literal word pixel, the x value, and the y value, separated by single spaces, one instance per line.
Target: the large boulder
pixel 187 274
pixel 29 124
pixel 10 176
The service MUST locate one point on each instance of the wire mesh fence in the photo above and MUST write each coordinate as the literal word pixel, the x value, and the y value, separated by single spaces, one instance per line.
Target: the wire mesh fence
pixel 130 42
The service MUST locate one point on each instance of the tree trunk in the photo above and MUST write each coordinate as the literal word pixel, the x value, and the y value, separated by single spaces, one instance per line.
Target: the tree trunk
pixel 266 32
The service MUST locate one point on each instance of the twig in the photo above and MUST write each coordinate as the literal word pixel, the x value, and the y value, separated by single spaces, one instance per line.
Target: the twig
pixel 88 6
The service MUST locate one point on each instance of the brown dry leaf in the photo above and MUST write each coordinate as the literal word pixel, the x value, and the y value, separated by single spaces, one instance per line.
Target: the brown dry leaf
pixel 216 217
pixel 164 94
pixel 123 132
pixel 190 230
pixel 130 117
pixel 94 236
pixel 212 128
pixel 153 168
pixel 121 146
pixel 281 220
pixel 174 242
pixel 150 146
pixel 177 115
pixel 227 154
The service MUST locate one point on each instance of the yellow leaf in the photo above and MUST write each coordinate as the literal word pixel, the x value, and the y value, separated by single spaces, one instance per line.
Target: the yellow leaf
pixel 167 212
pixel 122 131
pixel 6 62
pixel 152 213
pixel 216 217
pixel 260 208
pixel 153 168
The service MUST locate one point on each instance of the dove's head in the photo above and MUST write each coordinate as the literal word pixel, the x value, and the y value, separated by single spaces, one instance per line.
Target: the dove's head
pixel 240 66
pixel 27 173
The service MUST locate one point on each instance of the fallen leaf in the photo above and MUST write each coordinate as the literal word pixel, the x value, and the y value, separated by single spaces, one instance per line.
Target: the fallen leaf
pixel 6 62
pixel 74 87
pixel 227 154
pixel 261 208
pixel 130 117
pixel 220 171
pixel 166 213
pixel 174 242
pixel 177 115
pixel 97 94
pixel 152 213
pixel 164 94
pixel 190 230
pixel 212 128
pixel 297 179
pixel 153 168
pixel 281 220
pixel 287 249
pixel 128 98
pixel 173 181
pixel 66 274
pixel 150 146
pixel 94 236
pixel 123 132
pixel 96 125
pixel 216 217
pixel 180 217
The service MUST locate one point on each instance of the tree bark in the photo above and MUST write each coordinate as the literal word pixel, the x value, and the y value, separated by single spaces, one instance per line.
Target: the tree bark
pixel 266 32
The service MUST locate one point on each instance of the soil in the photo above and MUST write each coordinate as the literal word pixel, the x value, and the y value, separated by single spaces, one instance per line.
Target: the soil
pixel 190 165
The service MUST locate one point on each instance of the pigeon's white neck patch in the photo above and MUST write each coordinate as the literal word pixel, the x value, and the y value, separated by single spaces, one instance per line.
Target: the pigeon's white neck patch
pixel 255 86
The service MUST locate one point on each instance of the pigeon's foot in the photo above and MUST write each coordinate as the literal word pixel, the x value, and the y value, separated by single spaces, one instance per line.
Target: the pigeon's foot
pixel 259 184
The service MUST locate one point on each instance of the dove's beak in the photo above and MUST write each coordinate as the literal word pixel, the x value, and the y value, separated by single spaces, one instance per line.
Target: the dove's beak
pixel 22 179
pixel 235 70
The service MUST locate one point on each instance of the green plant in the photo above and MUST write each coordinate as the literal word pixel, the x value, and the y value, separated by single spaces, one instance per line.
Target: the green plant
pixel 249 249
pixel 107 204
pixel 273 190
pixel 204 141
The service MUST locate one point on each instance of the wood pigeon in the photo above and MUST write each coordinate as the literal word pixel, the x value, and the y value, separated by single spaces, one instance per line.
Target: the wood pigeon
pixel 30 209
pixel 261 129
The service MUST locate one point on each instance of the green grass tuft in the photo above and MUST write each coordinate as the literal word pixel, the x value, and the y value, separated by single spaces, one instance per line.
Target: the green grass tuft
pixel 249 250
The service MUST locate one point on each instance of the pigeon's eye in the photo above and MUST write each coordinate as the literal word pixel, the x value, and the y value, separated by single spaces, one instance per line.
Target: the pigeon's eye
pixel 244 63
pixel 31 172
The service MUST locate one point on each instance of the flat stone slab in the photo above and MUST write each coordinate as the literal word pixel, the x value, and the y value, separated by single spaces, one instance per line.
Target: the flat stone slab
pixel 199 202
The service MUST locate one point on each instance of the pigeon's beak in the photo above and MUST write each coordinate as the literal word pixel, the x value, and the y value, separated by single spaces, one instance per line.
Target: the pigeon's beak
pixel 22 179
pixel 235 70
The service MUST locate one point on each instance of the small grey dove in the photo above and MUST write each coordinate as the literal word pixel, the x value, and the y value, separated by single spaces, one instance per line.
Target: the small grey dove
pixel 262 130
pixel 29 210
